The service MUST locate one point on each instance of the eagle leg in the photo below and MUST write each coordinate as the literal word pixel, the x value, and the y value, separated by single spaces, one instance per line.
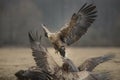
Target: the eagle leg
pixel 62 51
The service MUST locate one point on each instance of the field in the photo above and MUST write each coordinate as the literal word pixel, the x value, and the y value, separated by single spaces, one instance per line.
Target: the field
pixel 15 59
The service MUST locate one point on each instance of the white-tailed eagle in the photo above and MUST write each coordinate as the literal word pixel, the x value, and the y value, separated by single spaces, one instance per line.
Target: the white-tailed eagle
pixel 73 31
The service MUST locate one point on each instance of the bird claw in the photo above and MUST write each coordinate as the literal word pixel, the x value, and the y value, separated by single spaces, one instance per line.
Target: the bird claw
pixel 63 48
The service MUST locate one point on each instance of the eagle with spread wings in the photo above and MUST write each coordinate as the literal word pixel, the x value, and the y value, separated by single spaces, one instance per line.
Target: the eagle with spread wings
pixel 73 31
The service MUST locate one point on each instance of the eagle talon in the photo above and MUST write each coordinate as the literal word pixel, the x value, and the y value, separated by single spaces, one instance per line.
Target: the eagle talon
pixel 62 51
pixel 63 48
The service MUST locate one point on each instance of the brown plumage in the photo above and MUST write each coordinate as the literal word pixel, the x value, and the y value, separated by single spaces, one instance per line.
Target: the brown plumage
pixel 72 32
pixel 48 69
pixel 41 56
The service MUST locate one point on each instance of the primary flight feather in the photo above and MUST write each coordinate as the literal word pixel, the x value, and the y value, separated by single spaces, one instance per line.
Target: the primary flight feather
pixel 41 56
pixel 73 31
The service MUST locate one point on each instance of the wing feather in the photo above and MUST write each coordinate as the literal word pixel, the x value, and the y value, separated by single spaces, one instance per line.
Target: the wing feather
pixel 46 31
pixel 79 24
pixel 41 56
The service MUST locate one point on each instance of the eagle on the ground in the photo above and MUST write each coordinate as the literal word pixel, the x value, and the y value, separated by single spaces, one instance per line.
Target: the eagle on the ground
pixel 73 31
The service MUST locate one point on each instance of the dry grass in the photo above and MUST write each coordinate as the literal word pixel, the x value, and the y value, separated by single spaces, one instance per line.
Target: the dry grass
pixel 14 59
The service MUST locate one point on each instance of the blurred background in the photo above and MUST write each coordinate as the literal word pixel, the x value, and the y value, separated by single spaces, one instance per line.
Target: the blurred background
pixel 17 17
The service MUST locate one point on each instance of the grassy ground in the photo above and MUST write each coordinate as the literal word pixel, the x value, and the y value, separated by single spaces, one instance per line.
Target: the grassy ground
pixel 15 59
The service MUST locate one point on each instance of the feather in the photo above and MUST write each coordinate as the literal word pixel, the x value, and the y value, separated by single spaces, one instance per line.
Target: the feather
pixel 91 63
pixel 41 56
pixel 79 24
pixel 46 31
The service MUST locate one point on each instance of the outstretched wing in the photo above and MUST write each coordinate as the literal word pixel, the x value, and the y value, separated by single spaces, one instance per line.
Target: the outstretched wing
pixel 91 63
pixel 41 56
pixel 79 24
